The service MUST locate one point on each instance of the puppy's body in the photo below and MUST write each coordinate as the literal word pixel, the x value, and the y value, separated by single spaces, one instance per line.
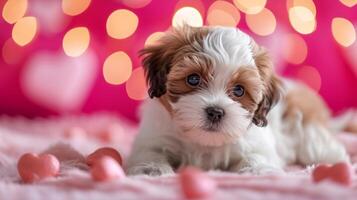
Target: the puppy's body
pixel 229 120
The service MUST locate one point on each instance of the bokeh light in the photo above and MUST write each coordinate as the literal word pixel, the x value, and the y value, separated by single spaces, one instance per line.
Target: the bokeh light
pixel 223 13
pixel 262 23
pixel 122 24
pixel 14 10
pixel 136 87
pixel 310 76
pixel 12 53
pixel 197 4
pixel 76 41
pixel 24 30
pixel 343 31
pixel 250 6
pixel 117 68
pixel 309 4
pixel 153 38
pixel 302 19
pixel 187 15
pixel 295 48
pixel 349 3
pixel 136 3
pixel 75 7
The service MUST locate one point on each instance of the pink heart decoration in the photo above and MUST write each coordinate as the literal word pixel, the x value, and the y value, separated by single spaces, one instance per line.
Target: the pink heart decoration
pixel 59 82
pixel 32 167
pixel 106 169
pixel 102 152
pixel 196 184
pixel 341 173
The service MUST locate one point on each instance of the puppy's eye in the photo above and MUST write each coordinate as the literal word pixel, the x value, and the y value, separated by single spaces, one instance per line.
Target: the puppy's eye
pixel 238 91
pixel 193 80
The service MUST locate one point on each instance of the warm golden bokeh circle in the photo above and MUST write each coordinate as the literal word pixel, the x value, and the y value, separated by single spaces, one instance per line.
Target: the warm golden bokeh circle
pixel 153 38
pixel 122 24
pixel 294 48
pixel 136 87
pixel 136 3
pixel 250 6
pixel 24 31
pixel 187 15
pixel 14 10
pixel 343 31
pixel 302 19
pixel 117 68
pixel 223 13
pixel 76 41
pixel 75 7
pixel 349 3
pixel 262 23
pixel 309 4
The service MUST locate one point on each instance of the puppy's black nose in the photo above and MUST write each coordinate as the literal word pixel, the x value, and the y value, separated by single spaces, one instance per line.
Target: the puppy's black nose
pixel 214 114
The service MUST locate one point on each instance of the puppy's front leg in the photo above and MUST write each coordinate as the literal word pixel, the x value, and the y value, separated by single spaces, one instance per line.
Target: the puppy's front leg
pixel 148 162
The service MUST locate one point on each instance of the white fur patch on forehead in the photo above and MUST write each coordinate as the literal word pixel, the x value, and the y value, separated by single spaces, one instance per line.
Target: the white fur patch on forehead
pixel 229 47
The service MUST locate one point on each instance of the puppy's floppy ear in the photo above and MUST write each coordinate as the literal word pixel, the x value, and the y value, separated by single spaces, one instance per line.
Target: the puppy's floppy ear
pixel 157 64
pixel 272 85
pixel 159 58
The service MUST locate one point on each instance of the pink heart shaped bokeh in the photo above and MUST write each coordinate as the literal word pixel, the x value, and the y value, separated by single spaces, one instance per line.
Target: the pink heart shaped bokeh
pixel 59 82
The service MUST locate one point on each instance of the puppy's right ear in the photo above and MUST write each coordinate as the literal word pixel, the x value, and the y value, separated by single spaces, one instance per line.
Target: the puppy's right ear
pixel 157 64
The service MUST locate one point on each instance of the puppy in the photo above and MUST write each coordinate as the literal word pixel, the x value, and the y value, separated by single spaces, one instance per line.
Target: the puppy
pixel 217 104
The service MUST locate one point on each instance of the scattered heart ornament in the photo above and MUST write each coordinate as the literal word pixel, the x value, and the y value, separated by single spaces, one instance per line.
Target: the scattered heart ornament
pixel 341 173
pixel 196 184
pixel 32 167
pixel 59 82
pixel 103 152
pixel 106 169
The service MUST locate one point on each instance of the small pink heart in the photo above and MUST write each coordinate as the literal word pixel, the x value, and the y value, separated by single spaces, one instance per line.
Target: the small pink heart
pixel 106 169
pixel 341 173
pixel 196 184
pixel 102 152
pixel 59 82
pixel 32 167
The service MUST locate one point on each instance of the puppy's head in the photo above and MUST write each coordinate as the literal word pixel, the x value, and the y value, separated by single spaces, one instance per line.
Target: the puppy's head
pixel 215 82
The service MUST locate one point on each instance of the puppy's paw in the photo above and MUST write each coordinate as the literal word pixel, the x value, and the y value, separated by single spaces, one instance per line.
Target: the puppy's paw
pixel 151 169
pixel 261 170
pixel 256 168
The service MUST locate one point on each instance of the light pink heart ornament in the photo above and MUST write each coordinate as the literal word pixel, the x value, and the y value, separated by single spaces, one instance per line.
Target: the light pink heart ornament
pixel 32 167
pixel 59 82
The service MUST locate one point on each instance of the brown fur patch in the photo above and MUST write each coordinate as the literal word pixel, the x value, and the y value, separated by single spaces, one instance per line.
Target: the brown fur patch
pixel 188 64
pixel 272 84
pixel 351 127
pixel 160 58
pixel 249 78
pixel 309 103
pixel 165 102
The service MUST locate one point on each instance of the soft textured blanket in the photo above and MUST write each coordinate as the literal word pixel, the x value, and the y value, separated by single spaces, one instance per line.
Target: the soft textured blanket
pixel 72 138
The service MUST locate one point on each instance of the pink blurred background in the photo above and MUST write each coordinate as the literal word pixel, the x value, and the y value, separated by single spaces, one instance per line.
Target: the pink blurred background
pixel 40 79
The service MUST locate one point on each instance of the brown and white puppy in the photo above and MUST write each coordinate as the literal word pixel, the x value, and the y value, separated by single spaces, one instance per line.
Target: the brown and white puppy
pixel 217 104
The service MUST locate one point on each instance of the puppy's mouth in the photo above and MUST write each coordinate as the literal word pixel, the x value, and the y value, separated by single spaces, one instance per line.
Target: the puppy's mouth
pixel 211 127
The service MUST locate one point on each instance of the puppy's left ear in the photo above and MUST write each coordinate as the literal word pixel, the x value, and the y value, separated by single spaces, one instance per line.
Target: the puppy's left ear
pixel 272 85
pixel 157 64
